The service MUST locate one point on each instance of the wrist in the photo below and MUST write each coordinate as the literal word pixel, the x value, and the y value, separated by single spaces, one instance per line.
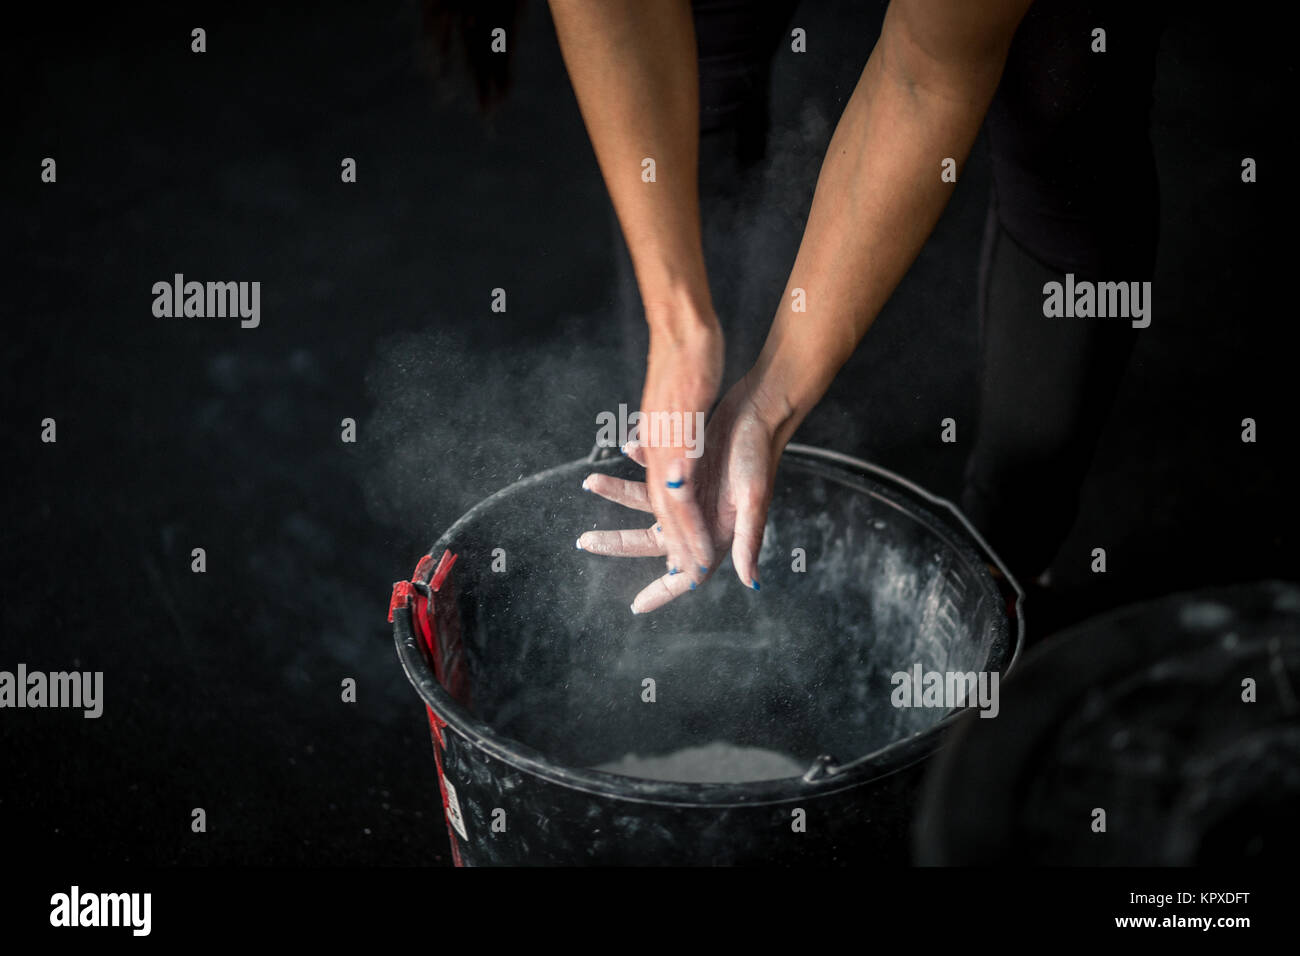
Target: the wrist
pixel 771 402
pixel 785 385
pixel 680 312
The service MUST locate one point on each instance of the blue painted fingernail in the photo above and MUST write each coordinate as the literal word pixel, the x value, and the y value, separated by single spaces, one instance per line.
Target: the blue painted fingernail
pixel 704 569
pixel 659 527
pixel 622 449
pixel 677 484
pixel 754 584
pixel 692 585
pixel 674 571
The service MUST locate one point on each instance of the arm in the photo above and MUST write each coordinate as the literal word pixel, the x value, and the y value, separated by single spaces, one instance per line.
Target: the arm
pixel 634 71
pixel 921 98
pixel 633 68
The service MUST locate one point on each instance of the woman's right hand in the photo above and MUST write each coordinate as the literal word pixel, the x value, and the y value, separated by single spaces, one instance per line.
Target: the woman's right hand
pixel 683 372
pixel 733 491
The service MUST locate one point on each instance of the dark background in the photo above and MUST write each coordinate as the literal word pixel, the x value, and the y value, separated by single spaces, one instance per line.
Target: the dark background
pixel 222 690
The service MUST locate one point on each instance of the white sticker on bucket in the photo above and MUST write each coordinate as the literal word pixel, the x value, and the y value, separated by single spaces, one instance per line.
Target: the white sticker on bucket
pixel 453 809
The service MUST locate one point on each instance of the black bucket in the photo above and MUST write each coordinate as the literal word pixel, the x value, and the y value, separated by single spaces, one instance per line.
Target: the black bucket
pixel 534 673
pixel 1165 733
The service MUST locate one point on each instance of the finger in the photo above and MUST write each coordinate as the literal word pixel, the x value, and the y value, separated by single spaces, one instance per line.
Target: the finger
pixel 675 554
pixel 747 540
pixel 685 512
pixel 658 494
pixel 661 591
pixel 631 543
pixel 629 494
pixel 636 451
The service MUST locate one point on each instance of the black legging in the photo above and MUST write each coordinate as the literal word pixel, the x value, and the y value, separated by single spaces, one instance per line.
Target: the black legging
pixel 1074 191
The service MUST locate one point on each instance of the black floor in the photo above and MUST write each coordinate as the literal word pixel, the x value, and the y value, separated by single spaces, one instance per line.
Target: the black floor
pixel 223 688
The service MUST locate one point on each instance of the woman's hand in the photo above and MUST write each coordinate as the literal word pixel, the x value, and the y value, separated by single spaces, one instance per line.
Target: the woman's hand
pixel 733 488
pixel 683 370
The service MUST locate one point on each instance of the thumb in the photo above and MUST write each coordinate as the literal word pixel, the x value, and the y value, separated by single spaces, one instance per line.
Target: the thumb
pixel 747 540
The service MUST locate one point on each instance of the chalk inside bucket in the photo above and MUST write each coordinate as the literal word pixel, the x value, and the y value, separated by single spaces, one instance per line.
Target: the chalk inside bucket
pixel 716 762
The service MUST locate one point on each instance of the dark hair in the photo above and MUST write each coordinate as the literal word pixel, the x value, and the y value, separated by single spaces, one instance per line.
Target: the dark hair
pixel 472 23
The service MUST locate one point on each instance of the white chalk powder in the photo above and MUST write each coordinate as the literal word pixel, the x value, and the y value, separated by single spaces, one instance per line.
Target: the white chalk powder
pixel 717 762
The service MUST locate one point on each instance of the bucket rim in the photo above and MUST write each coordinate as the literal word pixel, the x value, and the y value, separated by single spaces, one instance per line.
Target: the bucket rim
pixel 892 758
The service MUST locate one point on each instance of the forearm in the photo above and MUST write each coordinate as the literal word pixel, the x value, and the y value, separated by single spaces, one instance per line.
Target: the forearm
pixel 878 197
pixel 633 68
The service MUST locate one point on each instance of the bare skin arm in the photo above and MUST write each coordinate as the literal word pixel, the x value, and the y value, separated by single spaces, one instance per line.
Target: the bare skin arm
pixel 921 99
pixel 634 71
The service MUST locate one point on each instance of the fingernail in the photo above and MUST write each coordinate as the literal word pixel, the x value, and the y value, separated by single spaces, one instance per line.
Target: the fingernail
pixel 622 449
pixel 754 584
pixel 584 485
pixel 677 484
pixel 659 527
pixel 632 608
pixel 674 571
pixel 704 569
pixel 578 544
pixel 692 585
